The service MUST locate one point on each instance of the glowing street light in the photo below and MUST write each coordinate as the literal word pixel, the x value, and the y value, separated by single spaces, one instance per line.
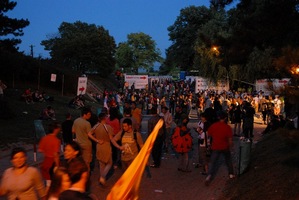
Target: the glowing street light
pixel 215 50
pixel 295 69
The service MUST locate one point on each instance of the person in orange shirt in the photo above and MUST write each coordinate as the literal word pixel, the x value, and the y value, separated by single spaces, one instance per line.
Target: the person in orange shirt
pixel 137 115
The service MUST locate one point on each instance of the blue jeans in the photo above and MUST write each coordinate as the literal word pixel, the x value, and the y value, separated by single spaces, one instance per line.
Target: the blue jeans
pixel 214 158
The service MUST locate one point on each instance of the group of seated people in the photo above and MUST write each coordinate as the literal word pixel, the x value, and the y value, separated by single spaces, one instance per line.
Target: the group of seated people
pixel 27 95
pixel 35 96
pixel 96 96
pixel 77 102
pixel 47 114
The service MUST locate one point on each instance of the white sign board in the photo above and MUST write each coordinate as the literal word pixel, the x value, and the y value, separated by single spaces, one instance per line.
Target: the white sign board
pixel 204 84
pixel 140 81
pixel 160 78
pixel 53 77
pixel 266 84
pixel 82 85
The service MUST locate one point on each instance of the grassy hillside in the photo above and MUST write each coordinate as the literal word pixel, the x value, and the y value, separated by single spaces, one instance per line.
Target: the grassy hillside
pixel 17 122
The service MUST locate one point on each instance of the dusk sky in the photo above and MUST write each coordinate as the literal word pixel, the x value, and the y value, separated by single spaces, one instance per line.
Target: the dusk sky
pixel 119 17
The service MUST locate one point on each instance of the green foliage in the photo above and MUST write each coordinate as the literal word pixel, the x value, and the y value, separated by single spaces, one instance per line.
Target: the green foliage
pixel 9 26
pixel 139 51
pixel 219 4
pixel 264 24
pixel 10 58
pixel 183 34
pixel 211 49
pixel 289 58
pixel 260 28
pixel 207 62
pixel 259 64
pixel 248 38
pixel 288 63
pixel 83 47
pixel 124 56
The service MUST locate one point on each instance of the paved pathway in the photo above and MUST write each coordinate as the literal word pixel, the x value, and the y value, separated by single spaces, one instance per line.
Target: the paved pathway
pixel 166 182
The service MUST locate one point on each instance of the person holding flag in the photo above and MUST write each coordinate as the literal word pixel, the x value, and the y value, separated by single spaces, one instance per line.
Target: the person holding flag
pixel 127 187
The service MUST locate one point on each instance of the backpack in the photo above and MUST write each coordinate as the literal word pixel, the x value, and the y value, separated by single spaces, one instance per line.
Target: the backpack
pixel 181 144
pixel 135 138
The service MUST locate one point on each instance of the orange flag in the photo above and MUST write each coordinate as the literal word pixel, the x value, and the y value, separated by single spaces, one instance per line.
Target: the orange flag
pixel 127 186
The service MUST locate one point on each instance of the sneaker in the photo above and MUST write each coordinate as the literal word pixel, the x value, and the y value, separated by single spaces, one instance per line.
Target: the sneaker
pixel 208 180
pixel 231 176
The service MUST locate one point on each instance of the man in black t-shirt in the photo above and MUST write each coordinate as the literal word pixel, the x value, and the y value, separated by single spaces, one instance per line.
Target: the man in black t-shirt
pixel 66 128
pixel 157 148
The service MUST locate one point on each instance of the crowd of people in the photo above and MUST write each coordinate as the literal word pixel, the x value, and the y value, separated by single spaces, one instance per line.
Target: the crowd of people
pixel 215 109
pixel 113 138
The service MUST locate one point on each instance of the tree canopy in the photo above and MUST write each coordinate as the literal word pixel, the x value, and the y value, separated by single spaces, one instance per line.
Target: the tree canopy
pixel 248 38
pixel 10 31
pixel 10 26
pixel 139 51
pixel 83 47
pixel 183 34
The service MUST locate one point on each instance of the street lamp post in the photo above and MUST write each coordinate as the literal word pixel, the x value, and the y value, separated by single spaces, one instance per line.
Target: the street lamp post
pixel 216 51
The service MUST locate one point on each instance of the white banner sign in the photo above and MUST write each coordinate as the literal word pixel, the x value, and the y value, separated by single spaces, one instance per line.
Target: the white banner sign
pixel 268 86
pixel 140 81
pixel 82 85
pixel 204 84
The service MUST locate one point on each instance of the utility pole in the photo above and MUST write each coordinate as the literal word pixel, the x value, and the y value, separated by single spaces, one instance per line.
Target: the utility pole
pixel 38 75
pixel 31 50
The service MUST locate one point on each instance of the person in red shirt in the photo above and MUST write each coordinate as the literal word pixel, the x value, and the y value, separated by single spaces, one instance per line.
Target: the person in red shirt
pixel 221 136
pixel 50 147
pixel 114 122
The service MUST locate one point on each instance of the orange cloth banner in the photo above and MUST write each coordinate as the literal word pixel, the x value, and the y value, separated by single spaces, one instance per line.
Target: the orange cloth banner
pixel 127 186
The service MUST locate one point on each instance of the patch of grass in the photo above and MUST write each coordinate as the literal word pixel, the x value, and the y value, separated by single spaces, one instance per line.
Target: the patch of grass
pixel 17 125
